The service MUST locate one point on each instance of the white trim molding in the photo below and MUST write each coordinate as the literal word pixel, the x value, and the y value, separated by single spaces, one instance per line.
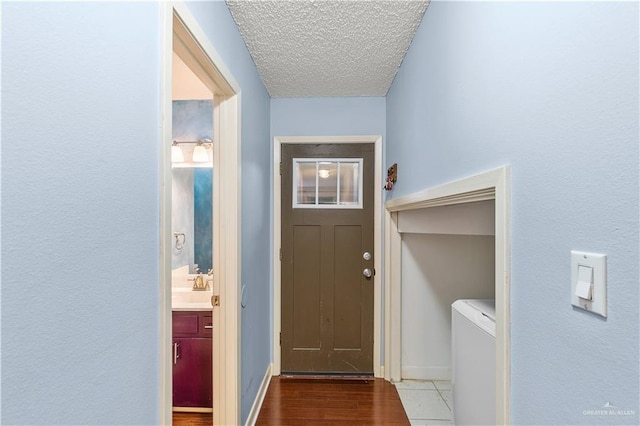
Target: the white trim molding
pixel 182 34
pixel 166 363
pixel 278 141
pixel 491 185
pixel 262 392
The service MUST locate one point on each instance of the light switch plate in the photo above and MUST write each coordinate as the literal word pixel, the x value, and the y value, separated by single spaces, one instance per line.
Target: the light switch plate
pixel 598 304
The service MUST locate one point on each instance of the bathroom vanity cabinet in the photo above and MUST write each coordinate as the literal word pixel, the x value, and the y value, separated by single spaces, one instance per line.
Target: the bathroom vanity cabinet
pixel 192 360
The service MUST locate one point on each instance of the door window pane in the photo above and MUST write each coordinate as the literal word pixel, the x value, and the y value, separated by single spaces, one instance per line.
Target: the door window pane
pixel 306 182
pixel 327 183
pixel 349 183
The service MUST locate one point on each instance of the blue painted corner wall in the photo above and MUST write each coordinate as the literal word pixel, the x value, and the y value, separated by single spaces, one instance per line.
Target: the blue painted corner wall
pixel 551 89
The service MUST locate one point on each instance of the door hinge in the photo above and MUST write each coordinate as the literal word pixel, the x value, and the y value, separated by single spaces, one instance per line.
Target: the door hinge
pixel 281 168
pixel 280 338
pixel 281 254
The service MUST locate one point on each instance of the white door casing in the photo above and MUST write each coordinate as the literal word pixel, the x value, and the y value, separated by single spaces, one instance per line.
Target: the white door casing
pixel 182 34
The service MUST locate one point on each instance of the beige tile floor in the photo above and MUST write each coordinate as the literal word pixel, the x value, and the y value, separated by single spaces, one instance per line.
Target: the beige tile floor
pixel 426 402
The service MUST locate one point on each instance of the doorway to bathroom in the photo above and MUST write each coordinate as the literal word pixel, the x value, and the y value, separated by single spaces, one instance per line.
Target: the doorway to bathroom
pixel 200 242
pixel 192 249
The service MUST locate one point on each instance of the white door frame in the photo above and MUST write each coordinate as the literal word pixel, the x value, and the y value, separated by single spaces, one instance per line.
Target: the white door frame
pixel 278 141
pixel 182 34
pixel 492 185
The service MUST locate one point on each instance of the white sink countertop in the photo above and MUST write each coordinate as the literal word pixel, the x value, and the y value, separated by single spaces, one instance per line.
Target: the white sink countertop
pixel 191 306
pixel 186 299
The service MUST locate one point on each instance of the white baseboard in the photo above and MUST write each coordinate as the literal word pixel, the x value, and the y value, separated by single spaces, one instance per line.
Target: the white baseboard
pixel 257 403
pixel 426 373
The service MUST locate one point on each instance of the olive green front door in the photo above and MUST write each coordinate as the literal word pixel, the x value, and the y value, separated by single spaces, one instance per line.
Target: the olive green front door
pixel 327 258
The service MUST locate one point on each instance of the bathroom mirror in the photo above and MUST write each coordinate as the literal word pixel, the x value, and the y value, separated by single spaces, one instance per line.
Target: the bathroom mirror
pixel 192 219
pixel 192 192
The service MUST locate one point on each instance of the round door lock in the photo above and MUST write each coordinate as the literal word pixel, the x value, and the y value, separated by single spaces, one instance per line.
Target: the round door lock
pixel 366 255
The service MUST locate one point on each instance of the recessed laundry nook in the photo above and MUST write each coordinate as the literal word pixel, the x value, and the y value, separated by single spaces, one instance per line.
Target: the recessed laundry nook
pixel 447 244
pixel 447 254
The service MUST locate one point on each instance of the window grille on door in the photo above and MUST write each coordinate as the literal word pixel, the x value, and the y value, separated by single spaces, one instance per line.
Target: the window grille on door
pixel 327 183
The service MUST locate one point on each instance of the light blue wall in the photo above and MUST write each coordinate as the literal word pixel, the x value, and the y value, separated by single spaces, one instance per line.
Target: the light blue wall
pixel 552 90
pixel 81 93
pixel 328 116
pixel 217 23
pixel 80 209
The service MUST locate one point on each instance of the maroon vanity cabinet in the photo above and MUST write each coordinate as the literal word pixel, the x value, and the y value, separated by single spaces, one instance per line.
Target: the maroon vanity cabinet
pixel 192 369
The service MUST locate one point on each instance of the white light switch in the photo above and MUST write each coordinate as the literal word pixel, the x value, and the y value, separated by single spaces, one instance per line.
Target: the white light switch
pixel 584 286
pixel 589 282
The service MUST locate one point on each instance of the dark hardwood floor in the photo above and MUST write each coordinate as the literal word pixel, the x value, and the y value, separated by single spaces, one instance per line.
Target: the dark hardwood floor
pixel 304 401
pixel 192 419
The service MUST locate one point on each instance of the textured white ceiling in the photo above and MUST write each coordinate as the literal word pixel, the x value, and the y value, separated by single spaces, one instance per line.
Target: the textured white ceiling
pixel 306 48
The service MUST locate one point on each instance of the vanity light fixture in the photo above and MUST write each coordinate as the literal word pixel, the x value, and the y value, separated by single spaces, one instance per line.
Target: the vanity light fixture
pixel 200 153
pixel 177 155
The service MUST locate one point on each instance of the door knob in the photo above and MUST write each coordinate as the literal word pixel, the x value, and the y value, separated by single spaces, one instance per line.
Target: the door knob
pixel 366 255
pixel 367 272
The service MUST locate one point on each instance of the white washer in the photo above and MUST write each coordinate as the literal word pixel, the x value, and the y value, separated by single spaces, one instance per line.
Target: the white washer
pixel 473 349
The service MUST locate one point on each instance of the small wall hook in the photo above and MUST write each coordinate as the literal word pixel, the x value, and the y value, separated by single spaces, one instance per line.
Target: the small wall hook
pixel 178 236
pixel 392 177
